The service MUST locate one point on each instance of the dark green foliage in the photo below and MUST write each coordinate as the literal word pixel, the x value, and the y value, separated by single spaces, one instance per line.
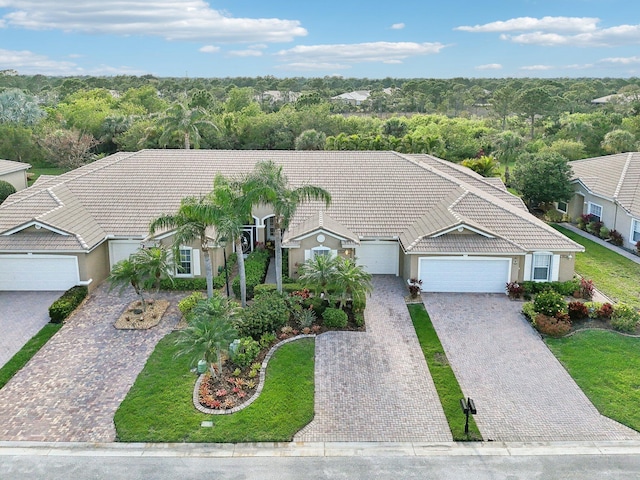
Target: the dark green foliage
pixel 563 288
pixel 6 189
pixel 184 284
pixel 624 318
pixel 247 351
pixel 358 318
pixel 549 303
pixel 255 265
pixel 271 287
pixel 319 305
pixel 267 314
pixel 335 318
pixel 67 303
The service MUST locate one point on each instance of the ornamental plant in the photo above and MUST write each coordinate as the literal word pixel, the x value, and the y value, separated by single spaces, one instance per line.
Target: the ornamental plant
pixel 549 303
pixel 586 289
pixel 552 326
pixel 415 287
pixel 514 289
pixel 624 318
pixel 577 311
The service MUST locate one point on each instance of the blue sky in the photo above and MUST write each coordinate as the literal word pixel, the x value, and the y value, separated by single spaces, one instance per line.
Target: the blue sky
pixel 399 38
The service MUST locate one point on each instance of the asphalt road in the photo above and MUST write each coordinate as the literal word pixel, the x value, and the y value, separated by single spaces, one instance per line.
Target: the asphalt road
pixel 565 467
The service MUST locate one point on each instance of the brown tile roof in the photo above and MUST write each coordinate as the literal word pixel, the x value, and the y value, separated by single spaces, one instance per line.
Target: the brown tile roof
pixel 375 194
pixel 9 166
pixel 616 177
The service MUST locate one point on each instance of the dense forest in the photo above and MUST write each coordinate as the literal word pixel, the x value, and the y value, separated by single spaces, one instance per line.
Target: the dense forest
pixel 67 122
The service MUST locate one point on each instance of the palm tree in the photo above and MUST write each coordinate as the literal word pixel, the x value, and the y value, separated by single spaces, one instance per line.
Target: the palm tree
pixel 190 223
pixel 123 274
pixel 209 334
pixel 351 280
pixel 268 185
pixel 184 121
pixel 509 146
pixel 319 273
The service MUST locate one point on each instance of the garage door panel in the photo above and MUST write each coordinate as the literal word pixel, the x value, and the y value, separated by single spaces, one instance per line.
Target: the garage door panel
pixel 481 275
pixel 38 272
pixel 378 258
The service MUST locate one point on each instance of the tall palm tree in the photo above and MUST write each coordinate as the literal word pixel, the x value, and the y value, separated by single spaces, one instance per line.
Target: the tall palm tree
pixel 190 223
pixel 352 281
pixel 209 334
pixel 184 121
pixel 267 184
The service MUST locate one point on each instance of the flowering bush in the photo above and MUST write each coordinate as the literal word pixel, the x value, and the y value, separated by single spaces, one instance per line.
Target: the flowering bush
pixel 514 290
pixel 551 325
pixel 624 318
pixel 529 311
pixel 549 303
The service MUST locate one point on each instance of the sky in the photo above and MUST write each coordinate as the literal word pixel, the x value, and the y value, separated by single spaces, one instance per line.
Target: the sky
pixel 311 38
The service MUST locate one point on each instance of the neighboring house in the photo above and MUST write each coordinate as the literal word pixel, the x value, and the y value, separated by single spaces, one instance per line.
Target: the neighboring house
pixel 414 216
pixel 609 189
pixel 614 98
pixel 15 173
pixel 358 96
pixel 273 96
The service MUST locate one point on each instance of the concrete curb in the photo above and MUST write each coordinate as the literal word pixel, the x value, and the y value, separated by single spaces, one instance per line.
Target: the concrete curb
pixel 319 449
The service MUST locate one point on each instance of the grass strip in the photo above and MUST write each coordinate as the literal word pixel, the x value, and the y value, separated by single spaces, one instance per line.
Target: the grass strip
pixel 614 275
pixel 605 366
pixel 25 354
pixel 158 408
pixel 444 379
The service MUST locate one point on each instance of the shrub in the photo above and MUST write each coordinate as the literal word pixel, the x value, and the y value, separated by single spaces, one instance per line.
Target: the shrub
pixel 549 303
pixel 186 304
pixel 529 311
pixel 267 339
pixel 514 290
pixel 334 318
pixel 552 326
pixel 358 318
pixel 359 303
pixel 616 238
pixel 305 317
pixel 553 216
pixel 586 289
pixel 624 318
pixel 577 311
pixel 183 284
pixel 593 308
pixel 638 247
pixel 415 287
pixel 263 288
pixel 563 288
pixel 267 314
pixel 318 305
pixel 67 303
pixel 244 351
pixel 255 266
pixel 604 233
pixel 6 189
pixel 605 311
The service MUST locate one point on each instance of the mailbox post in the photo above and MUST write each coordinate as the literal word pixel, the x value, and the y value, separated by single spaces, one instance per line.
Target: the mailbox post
pixel 468 408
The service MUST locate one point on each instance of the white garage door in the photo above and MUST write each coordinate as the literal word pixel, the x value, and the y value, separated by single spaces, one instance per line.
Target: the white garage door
pixel 121 249
pixel 38 272
pixel 378 257
pixel 465 274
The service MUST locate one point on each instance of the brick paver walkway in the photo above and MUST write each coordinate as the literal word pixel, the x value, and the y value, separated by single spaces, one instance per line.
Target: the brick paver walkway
pixel 71 389
pixel 22 315
pixel 375 386
pixel 521 391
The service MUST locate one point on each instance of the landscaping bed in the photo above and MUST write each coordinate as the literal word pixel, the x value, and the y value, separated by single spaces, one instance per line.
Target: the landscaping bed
pixel 135 318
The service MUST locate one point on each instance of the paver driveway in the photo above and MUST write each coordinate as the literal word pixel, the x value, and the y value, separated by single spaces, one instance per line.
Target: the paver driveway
pixel 71 389
pixel 22 315
pixel 521 391
pixel 375 386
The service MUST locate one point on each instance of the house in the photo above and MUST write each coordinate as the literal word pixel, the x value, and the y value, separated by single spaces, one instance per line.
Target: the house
pixel 608 188
pixel 15 173
pixel 413 216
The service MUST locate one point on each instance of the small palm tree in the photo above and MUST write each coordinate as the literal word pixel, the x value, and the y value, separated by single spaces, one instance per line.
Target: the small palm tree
pixel 123 274
pixel 319 273
pixel 209 334
pixel 183 121
pixel 351 281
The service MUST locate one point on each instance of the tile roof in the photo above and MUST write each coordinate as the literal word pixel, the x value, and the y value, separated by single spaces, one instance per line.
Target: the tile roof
pixel 616 177
pixel 320 220
pixel 376 195
pixel 457 243
pixel 9 166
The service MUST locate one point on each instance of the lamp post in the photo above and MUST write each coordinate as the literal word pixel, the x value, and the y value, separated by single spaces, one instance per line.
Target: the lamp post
pixel 223 243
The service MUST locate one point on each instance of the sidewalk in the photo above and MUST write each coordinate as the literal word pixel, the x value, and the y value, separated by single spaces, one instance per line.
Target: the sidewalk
pixel 599 241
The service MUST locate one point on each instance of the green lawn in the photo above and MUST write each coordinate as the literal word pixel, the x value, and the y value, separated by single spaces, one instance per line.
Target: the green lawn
pixel 614 275
pixel 25 354
pixel 605 365
pixel 35 172
pixel 446 383
pixel 158 408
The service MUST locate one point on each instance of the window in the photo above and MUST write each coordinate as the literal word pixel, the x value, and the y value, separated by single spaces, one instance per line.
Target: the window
pixel 635 231
pixel 318 251
pixel 541 267
pixel 562 207
pixel 185 263
pixel 596 211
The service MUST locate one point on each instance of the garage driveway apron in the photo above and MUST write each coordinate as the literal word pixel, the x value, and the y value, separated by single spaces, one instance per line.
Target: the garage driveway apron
pixel 71 389
pixel 521 391
pixel 22 315
pixel 375 386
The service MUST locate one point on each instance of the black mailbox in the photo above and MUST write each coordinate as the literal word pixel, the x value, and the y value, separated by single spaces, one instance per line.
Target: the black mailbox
pixel 468 408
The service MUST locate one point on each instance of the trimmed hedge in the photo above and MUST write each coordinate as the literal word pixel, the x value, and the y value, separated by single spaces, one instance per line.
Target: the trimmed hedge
pixel 335 318
pixel 565 289
pixel 67 303
pixel 255 267
pixel 184 284
pixel 268 315
pixel 271 287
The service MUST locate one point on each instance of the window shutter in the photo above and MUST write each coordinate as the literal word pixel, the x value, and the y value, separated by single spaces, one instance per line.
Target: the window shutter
pixel 195 261
pixel 555 268
pixel 307 255
pixel 527 267
pixel 333 253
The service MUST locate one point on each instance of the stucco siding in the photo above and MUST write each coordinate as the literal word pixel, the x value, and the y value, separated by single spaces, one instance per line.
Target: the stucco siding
pixel 94 266
pixel 17 179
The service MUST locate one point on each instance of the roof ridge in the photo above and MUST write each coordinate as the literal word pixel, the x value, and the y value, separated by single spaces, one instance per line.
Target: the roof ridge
pixel 623 175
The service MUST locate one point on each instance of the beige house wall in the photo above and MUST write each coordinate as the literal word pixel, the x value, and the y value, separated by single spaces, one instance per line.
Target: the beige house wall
pixel 17 179
pixel 94 266
pixel 297 255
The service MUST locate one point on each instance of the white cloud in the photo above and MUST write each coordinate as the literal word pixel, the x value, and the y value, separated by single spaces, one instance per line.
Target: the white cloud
pixel 184 20
pixel 548 24
pixel 385 52
pixel 310 66
pixel 398 26
pixel 560 31
pixel 29 63
pixel 621 60
pixel 489 66
pixel 246 53
pixel 538 68
pixel 209 49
